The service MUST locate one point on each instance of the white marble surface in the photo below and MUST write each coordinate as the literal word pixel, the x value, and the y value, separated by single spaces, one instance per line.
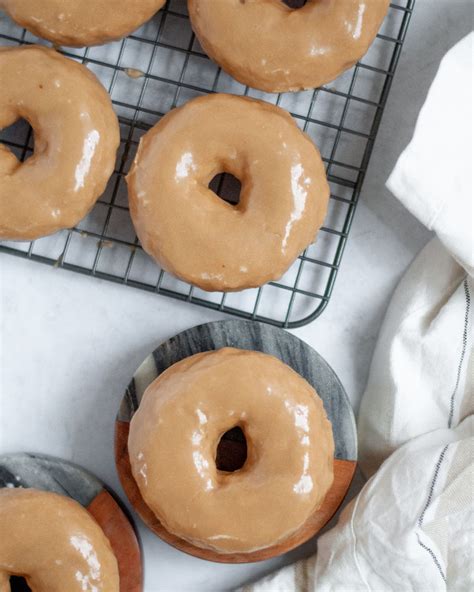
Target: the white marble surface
pixel 69 344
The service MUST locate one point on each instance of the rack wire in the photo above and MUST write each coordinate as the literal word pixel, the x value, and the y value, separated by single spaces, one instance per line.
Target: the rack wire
pixel 161 66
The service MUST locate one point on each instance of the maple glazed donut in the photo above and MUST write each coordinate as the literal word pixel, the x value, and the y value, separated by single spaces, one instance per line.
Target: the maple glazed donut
pixel 76 136
pixel 196 235
pixel 267 45
pixel 175 433
pixel 54 544
pixel 77 23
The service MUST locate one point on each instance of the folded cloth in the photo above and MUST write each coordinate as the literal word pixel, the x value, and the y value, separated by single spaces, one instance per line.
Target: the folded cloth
pixel 411 528
pixel 433 177
pixel 419 369
pixel 419 379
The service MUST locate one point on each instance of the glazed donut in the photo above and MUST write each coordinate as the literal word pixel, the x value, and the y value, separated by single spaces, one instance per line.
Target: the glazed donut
pixel 269 46
pixel 174 437
pixel 76 136
pixel 199 237
pixel 54 543
pixel 77 23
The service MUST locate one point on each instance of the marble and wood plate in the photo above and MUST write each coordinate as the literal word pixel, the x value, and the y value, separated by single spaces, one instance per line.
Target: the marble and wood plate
pixel 59 476
pixel 291 350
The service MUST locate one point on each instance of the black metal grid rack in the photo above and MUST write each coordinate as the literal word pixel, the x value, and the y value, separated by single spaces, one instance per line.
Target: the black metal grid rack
pixel 161 66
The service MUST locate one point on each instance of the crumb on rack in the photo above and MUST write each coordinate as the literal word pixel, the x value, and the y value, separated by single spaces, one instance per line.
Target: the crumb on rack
pixel 134 73
pixel 108 244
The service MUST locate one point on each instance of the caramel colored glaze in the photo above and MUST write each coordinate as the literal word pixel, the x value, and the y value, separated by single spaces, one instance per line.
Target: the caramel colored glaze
pixel 54 543
pixel 199 237
pixel 343 474
pixel 76 136
pixel 77 23
pixel 174 437
pixel 267 45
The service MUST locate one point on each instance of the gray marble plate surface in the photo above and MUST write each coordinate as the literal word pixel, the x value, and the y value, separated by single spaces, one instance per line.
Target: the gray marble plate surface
pixel 49 474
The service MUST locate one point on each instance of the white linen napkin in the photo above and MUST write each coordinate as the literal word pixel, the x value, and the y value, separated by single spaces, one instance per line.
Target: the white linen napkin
pixel 408 529
pixel 433 176
pixel 411 528
pixel 419 368
pixel 418 380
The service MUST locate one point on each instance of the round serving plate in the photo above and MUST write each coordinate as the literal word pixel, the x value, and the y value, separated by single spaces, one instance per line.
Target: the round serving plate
pixel 295 353
pixel 60 476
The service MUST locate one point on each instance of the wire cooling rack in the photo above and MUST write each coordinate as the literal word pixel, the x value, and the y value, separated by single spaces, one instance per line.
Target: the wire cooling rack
pixel 161 66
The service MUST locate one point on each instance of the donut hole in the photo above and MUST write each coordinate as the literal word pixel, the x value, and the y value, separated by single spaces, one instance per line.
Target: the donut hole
pixel 294 4
pixel 18 584
pixel 10 134
pixel 227 187
pixel 231 452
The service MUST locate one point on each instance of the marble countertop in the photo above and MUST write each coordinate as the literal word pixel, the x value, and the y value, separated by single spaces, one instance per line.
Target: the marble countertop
pixel 69 344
